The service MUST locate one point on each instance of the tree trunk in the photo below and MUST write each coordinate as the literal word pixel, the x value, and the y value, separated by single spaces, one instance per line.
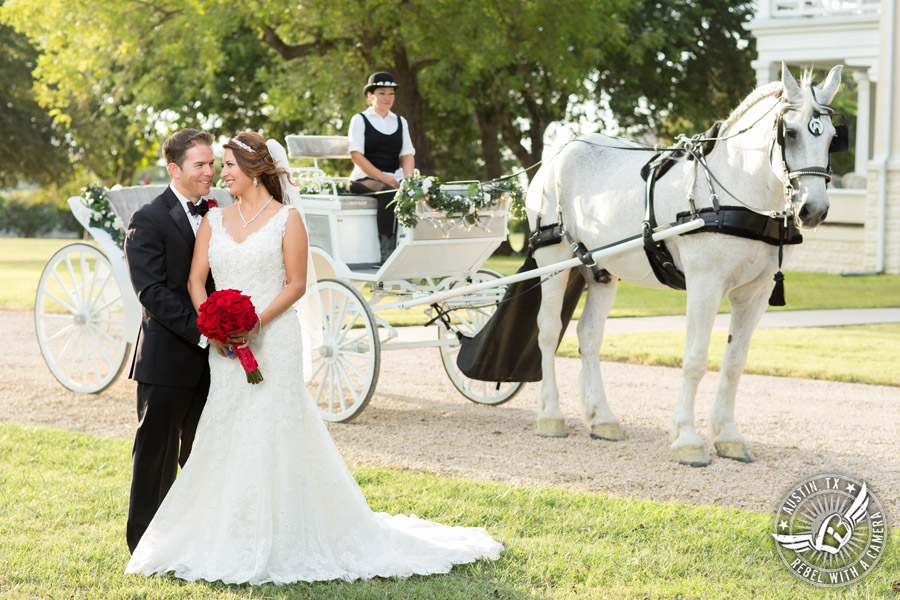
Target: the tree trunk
pixel 489 130
pixel 411 105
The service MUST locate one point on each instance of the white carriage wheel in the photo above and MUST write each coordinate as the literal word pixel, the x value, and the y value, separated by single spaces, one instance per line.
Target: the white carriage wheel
pixel 79 319
pixel 345 369
pixel 470 315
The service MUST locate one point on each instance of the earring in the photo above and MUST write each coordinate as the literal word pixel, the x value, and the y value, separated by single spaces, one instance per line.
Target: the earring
pixel 254 182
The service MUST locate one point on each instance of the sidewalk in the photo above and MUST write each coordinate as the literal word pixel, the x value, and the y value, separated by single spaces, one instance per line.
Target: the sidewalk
pixel 790 318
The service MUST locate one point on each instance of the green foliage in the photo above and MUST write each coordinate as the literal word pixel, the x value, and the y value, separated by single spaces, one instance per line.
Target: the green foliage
pixel 688 60
pixel 34 213
pixel 32 150
pixel 65 498
pixel 480 82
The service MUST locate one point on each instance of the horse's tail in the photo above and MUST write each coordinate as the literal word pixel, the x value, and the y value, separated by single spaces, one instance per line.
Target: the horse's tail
pixel 542 198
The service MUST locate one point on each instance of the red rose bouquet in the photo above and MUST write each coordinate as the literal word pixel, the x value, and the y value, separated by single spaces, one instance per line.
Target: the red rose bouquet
pixel 226 312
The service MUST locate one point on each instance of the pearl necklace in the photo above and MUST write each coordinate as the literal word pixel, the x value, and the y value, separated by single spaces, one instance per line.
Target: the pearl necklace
pixel 253 218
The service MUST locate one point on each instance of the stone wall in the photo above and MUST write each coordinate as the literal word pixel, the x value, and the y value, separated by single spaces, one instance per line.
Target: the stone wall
pixel 839 244
pixel 892 239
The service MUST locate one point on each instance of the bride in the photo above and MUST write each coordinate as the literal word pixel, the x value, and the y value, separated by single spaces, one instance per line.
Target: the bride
pixel 265 495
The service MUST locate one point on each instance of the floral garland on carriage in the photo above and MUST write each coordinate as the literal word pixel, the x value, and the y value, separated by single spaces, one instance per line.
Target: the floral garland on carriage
pixel 419 195
pixel 102 215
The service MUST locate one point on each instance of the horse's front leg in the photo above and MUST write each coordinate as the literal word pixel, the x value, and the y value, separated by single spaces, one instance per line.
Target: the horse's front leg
pixel 703 298
pixel 596 412
pixel 748 303
pixel 551 422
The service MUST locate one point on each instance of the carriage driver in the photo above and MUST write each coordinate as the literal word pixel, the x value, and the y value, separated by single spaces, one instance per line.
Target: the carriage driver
pixel 382 153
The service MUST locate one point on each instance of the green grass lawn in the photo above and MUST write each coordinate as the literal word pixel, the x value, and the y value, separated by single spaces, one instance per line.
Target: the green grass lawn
pixel 64 500
pixel 22 260
pixel 21 263
pixel 857 353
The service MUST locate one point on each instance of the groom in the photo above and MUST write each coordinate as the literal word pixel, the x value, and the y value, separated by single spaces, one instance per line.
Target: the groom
pixel 170 360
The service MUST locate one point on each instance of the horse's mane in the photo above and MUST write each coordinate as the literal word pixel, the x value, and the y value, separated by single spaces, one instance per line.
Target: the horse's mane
pixel 808 104
pixel 760 93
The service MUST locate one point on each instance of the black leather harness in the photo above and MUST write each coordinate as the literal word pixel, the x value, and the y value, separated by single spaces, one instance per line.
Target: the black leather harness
pixel 730 220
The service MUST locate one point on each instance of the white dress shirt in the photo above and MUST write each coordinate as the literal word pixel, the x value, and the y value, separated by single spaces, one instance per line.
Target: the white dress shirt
pixel 194 220
pixel 386 125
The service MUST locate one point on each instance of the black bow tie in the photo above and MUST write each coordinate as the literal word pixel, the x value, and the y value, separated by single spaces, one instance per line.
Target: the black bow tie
pixel 201 208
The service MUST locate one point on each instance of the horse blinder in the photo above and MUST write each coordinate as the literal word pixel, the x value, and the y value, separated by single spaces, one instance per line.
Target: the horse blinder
pixel 841 140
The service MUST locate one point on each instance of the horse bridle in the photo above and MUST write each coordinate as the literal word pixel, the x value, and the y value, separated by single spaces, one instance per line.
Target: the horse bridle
pixel 839 143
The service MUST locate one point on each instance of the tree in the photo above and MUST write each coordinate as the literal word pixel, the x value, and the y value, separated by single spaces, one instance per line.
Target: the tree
pixel 480 81
pixel 688 63
pixel 32 149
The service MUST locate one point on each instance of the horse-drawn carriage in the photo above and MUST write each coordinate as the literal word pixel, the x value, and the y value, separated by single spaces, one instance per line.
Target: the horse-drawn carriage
pixel 87 315
pixel 771 156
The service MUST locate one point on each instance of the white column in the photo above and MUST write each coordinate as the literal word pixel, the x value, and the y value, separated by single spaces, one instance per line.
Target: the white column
pixel 863 121
pixel 766 72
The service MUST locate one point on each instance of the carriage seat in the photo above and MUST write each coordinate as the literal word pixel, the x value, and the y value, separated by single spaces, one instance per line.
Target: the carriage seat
pixel 326 146
pixel 124 201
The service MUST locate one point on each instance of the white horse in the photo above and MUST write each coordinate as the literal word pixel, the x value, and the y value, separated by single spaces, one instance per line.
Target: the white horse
pixel 598 193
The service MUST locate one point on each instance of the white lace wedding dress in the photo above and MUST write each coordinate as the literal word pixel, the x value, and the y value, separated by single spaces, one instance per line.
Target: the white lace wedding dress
pixel 265 495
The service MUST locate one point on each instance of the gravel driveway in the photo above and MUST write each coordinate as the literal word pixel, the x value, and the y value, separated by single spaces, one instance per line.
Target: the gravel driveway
pixel 795 427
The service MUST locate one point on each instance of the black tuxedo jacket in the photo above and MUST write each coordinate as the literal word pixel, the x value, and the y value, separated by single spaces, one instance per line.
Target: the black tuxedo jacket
pixel 159 245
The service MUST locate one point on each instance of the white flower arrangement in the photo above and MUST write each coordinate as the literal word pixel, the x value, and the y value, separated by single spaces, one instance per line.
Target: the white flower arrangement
pixel 102 215
pixel 426 191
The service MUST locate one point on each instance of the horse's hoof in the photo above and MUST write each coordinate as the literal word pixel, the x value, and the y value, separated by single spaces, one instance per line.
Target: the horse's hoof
pixel 734 450
pixel 692 456
pixel 555 428
pixel 607 431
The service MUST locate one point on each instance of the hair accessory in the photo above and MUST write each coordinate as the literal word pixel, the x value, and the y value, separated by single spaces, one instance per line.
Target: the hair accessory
pixel 241 144
pixel 255 183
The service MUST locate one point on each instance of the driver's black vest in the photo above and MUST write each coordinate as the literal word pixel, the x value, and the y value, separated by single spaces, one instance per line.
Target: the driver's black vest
pixel 383 150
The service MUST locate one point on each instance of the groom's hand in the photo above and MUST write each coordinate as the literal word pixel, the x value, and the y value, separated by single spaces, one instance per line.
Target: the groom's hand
pixel 221 348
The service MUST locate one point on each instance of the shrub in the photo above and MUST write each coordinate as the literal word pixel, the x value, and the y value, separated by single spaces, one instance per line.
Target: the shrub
pixel 36 213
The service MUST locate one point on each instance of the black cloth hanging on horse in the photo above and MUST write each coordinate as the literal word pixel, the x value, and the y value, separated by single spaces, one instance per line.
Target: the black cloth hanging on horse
pixel 506 348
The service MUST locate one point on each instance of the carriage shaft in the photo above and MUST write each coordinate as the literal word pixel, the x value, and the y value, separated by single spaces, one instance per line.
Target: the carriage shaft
pixel 596 254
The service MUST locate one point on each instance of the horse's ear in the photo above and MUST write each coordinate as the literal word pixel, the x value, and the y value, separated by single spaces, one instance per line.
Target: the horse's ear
pixel 791 87
pixel 831 85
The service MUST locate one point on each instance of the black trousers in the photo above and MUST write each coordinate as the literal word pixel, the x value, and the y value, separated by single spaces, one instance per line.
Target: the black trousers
pixel 167 422
pixel 385 216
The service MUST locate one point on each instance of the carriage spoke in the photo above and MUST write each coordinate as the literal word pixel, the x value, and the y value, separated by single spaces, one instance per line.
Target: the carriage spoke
pixel 331 389
pixel 100 291
pixel 65 347
pixel 110 321
pixel 55 316
pixel 321 387
pixel 91 342
pixel 350 387
pixel 364 334
pixel 353 368
pixel 354 353
pixel 62 284
pixel 112 340
pixel 76 299
pixel 340 387
pixel 83 269
pixel 60 301
pixel 83 357
pixel 99 295
pixel 317 369
pixel 61 331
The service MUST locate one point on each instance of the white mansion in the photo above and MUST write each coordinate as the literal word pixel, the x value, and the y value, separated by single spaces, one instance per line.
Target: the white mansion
pixel 862 232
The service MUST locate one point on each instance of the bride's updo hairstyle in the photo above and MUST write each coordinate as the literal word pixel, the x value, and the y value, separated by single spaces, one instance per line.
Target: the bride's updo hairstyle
pixel 254 160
